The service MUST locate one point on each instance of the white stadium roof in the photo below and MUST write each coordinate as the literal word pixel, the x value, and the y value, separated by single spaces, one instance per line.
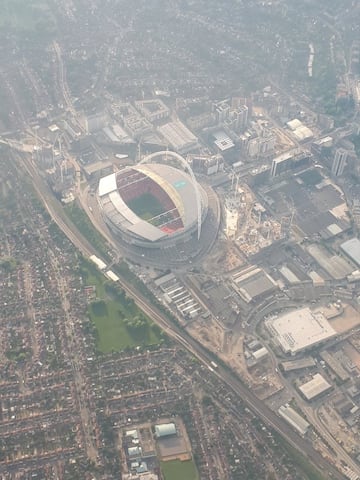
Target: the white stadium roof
pixel 107 184
pixel 176 183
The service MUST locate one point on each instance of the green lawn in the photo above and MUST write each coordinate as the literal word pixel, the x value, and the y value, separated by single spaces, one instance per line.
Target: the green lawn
pixel 119 322
pixel 113 333
pixel 146 206
pixel 177 470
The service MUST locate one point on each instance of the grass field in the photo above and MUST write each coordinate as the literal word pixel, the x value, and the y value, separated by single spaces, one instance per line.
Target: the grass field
pixel 119 322
pixel 177 470
pixel 146 206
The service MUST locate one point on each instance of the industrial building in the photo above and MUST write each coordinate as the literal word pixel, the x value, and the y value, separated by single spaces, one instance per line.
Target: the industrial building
pixel 292 365
pixel 300 329
pixel 252 283
pixel 294 419
pixel 178 295
pixel 336 266
pixel 98 169
pixel 178 136
pixel 351 248
pixel 315 387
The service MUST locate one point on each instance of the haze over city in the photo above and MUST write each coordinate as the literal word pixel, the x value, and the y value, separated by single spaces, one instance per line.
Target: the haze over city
pixel 179 239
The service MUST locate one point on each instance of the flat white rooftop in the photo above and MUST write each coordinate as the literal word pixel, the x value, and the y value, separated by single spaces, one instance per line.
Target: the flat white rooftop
pixel 315 387
pixel 178 135
pixel 300 329
pixel 223 141
pixel 352 249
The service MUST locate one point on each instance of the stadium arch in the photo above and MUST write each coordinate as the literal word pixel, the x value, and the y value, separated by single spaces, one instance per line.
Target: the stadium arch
pixel 184 163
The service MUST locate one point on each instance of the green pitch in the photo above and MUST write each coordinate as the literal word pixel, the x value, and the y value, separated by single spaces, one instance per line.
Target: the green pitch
pixel 146 206
pixel 177 470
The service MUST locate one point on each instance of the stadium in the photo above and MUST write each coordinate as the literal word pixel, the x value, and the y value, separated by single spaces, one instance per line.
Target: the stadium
pixel 153 205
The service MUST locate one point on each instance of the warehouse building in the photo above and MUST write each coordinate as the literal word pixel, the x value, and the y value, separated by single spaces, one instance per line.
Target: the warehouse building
pixel 315 387
pixel 252 283
pixel 178 136
pixel 293 365
pixel 300 329
pixel 336 266
pixel 294 419
pixel 351 248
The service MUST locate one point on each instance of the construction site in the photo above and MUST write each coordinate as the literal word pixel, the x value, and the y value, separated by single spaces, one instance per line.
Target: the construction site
pixel 247 223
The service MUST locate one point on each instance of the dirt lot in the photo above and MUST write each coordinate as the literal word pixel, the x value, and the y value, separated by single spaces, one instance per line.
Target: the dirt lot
pixel 229 347
pixel 345 322
pixel 335 424
pixel 225 257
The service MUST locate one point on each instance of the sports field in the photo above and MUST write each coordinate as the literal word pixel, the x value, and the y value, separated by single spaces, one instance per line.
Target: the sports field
pixel 177 470
pixel 146 206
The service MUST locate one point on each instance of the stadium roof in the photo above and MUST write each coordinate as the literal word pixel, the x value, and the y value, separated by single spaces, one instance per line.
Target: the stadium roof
pixel 176 184
pixel 107 184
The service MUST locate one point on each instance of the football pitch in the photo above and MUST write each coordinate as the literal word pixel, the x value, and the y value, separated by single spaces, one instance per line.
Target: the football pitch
pixel 146 206
pixel 177 470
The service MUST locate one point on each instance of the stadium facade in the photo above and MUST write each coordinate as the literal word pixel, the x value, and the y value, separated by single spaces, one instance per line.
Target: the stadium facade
pixel 153 205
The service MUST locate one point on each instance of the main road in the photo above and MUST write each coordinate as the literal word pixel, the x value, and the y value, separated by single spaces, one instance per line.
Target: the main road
pixel 181 336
